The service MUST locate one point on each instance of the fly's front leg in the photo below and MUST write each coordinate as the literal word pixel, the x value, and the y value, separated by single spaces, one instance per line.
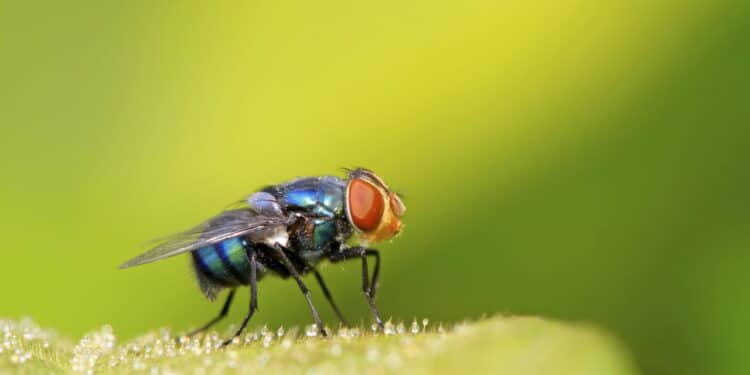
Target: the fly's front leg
pixel 278 253
pixel 367 287
pixel 376 272
pixel 369 290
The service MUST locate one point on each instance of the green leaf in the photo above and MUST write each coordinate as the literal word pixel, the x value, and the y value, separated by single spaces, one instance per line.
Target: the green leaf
pixel 505 345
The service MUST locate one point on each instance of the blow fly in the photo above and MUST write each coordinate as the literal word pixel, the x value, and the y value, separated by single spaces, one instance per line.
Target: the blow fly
pixel 287 230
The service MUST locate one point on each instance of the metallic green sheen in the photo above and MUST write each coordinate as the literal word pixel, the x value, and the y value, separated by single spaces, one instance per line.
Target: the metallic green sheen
pixel 324 233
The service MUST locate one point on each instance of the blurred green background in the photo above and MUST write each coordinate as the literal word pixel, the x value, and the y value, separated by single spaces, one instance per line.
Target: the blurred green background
pixel 581 160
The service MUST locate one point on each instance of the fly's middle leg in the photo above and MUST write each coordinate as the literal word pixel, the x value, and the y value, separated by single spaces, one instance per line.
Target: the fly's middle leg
pixel 279 254
pixel 329 297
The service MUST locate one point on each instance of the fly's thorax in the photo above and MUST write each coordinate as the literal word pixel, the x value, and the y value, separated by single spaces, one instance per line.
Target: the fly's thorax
pixel 312 234
pixel 313 196
pixel 316 203
pixel 373 210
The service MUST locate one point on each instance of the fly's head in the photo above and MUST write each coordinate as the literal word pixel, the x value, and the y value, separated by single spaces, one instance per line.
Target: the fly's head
pixel 373 210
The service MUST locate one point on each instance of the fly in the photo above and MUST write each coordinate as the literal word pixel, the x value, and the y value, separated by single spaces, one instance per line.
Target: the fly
pixel 287 230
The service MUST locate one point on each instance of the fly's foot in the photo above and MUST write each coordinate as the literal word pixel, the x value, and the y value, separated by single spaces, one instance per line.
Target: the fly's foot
pixel 225 343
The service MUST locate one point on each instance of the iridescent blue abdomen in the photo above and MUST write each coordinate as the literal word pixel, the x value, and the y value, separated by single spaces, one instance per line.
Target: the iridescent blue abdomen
pixel 224 263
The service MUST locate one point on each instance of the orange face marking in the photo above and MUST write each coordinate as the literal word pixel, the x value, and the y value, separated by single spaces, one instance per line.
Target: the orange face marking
pixel 366 204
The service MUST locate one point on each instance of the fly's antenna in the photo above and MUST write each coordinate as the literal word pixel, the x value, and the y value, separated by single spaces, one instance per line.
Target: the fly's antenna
pixel 348 170
pixel 355 171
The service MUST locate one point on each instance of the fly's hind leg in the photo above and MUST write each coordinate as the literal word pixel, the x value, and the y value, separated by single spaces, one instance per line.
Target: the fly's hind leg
pixel 253 297
pixel 222 314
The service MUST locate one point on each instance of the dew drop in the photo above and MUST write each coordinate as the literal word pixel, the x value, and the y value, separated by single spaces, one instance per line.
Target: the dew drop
pixel 286 343
pixel 311 331
pixel 343 332
pixel 267 339
pixel 414 327
pixel 389 329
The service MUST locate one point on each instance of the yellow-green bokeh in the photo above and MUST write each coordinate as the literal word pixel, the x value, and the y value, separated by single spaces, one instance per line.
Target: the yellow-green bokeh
pixel 583 160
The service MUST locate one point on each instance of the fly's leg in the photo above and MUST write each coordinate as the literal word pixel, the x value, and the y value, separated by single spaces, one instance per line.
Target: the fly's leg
pixel 356 252
pixel 367 287
pixel 329 297
pixel 326 292
pixel 369 290
pixel 222 314
pixel 375 272
pixel 279 255
pixel 253 297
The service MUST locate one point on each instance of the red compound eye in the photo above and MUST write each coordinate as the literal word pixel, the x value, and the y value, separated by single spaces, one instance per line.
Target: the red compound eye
pixel 366 204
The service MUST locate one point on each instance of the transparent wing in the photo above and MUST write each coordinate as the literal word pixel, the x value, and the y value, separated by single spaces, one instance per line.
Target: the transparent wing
pixel 228 224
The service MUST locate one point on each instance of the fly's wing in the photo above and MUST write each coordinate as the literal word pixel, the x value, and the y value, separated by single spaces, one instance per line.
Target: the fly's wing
pixel 233 223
